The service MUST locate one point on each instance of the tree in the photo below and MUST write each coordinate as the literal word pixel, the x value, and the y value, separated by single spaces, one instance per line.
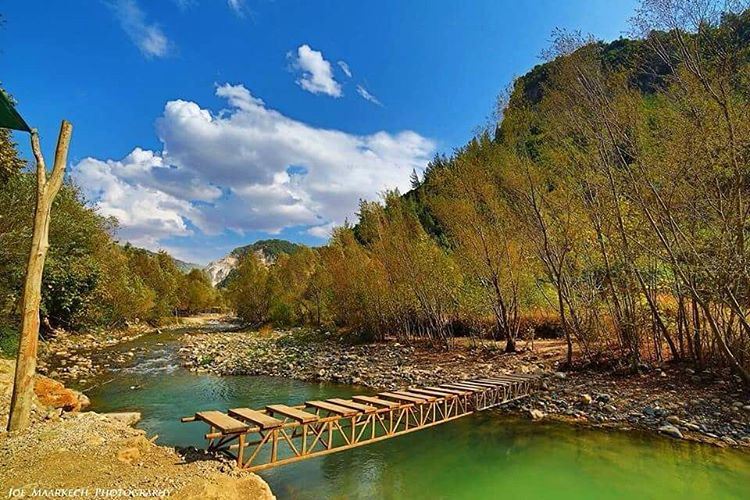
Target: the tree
pixel 23 386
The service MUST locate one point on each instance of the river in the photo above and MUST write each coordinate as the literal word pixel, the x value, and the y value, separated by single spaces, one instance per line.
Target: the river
pixel 486 455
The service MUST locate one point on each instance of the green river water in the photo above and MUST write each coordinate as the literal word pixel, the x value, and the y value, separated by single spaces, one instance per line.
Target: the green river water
pixel 486 455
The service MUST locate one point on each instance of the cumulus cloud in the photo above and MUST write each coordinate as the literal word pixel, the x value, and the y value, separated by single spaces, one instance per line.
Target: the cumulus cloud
pixel 316 75
pixel 148 37
pixel 246 168
pixel 345 68
pixel 367 96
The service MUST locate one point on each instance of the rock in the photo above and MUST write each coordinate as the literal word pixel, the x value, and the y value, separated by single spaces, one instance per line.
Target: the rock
pixel 560 375
pixel 129 455
pixel 128 418
pixel 54 394
pixel 604 398
pixel 729 441
pixel 536 414
pixel 585 399
pixel 53 415
pixel 671 430
pixel 673 419
pixel 227 488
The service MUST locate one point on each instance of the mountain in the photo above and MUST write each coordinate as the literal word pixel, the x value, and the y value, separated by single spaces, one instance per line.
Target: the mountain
pixel 183 266
pixel 266 250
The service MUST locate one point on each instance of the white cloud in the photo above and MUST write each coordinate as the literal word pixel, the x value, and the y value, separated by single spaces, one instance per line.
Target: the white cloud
pixel 238 7
pixel 367 96
pixel 247 168
pixel 316 76
pixel 345 68
pixel 148 37
pixel 323 231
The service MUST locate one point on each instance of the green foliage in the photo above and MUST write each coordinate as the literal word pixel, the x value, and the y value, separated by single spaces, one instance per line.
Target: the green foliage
pixel 271 249
pixel 8 341
pixel 89 280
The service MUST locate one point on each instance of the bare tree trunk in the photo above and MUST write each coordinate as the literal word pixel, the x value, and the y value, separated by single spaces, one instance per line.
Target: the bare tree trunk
pixel 23 386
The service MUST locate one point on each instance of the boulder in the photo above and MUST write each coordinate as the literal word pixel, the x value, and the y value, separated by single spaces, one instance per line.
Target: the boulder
pixel 585 399
pixel 128 418
pixel 53 394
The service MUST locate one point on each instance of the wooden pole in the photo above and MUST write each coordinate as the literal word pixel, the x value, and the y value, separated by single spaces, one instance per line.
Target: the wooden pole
pixel 23 385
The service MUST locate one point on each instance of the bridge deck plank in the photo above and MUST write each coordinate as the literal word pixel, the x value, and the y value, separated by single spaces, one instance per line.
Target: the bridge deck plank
pixel 405 392
pixel 351 404
pixel 221 421
pixel 464 387
pixel 332 408
pixel 429 392
pixel 256 417
pixel 401 397
pixel 376 401
pixel 457 392
pixel 300 416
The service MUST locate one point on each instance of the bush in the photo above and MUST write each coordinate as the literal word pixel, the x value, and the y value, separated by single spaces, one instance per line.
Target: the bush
pixel 8 341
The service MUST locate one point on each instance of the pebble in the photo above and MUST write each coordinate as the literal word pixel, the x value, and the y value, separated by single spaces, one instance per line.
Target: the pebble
pixel 671 430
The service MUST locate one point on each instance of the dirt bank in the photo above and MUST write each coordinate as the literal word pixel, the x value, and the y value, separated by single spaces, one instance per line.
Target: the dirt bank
pixel 103 456
pixel 672 400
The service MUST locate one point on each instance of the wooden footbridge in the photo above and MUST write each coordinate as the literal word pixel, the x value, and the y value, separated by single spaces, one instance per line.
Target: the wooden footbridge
pixel 280 434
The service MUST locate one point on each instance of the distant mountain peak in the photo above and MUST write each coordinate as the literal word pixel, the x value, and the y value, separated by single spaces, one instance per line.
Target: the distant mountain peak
pixel 266 250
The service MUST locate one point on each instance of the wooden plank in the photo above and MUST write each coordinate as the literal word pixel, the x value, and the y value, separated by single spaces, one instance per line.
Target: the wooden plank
pixel 446 390
pixel 429 392
pixel 256 417
pixel 490 385
pixel 463 387
pixel 221 421
pixel 475 384
pixel 332 408
pixel 351 404
pixel 404 392
pixel 401 397
pixel 503 383
pixel 502 378
pixel 375 401
pixel 300 416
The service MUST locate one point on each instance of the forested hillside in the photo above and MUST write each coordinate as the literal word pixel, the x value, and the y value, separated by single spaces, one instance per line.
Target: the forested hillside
pixel 610 202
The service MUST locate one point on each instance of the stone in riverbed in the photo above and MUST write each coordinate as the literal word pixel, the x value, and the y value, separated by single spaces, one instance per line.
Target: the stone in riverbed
pixel 127 417
pixel 671 430
pixel 536 414
pixel 673 419
pixel 585 399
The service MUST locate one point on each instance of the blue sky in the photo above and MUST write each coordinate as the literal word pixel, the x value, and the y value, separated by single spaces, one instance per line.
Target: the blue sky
pixel 206 124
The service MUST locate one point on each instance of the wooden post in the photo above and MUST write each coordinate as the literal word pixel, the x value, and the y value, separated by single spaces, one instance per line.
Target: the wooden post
pixel 23 385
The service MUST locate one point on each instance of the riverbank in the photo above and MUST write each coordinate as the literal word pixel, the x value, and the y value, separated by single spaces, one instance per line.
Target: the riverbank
pixel 66 450
pixel 672 400
pixel 81 358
